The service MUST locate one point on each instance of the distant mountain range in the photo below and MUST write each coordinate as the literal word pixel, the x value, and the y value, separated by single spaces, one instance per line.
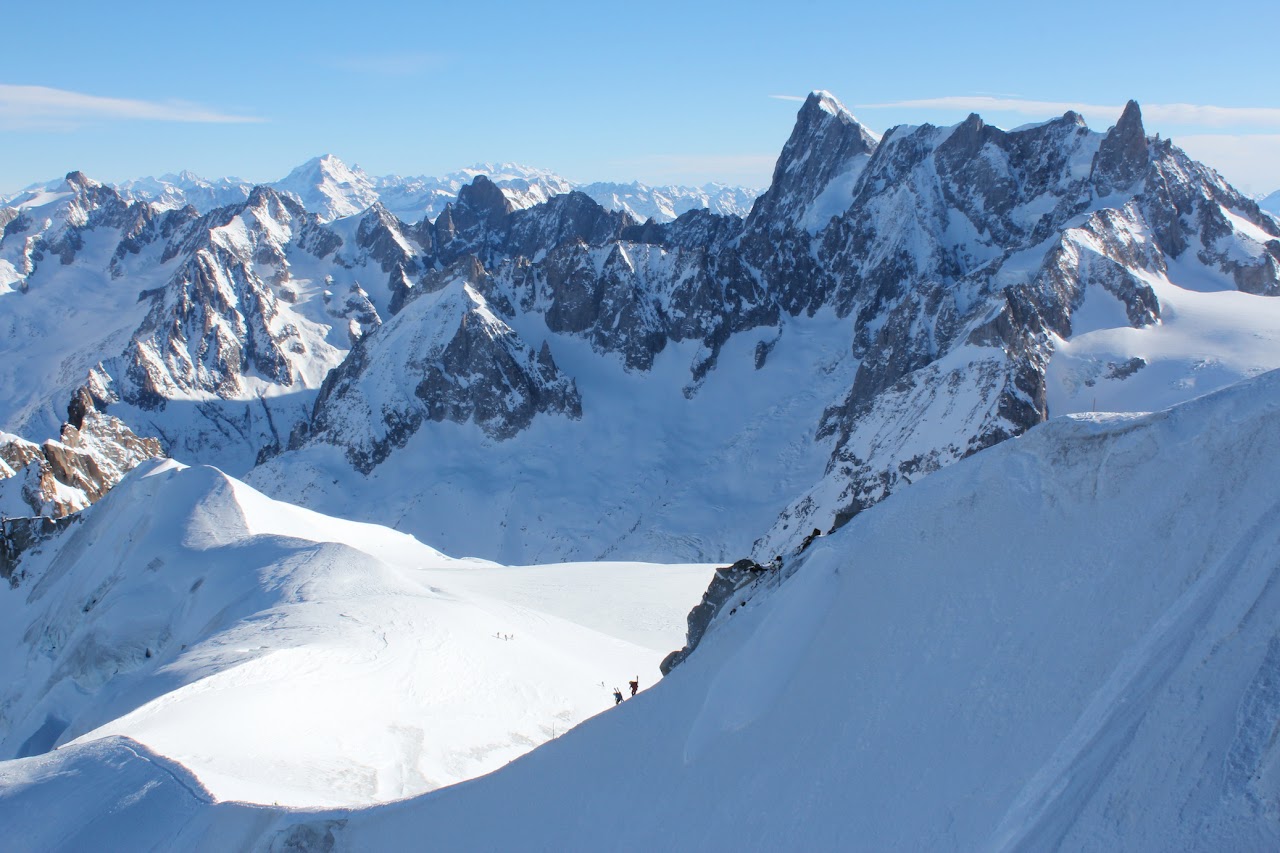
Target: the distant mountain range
pixel 331 189
pixel 533 375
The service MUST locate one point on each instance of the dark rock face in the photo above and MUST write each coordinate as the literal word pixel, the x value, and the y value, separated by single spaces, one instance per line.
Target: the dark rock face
pixel 454 359
pixel 1122 157
pixel 724 585
pixel 824 143
pixel 93 452
pixel 18 536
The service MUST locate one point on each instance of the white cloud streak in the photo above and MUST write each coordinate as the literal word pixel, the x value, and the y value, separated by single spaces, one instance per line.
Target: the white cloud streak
pixel 1250 161
pixel 1199 115
pixel 800 98
pixel 46 108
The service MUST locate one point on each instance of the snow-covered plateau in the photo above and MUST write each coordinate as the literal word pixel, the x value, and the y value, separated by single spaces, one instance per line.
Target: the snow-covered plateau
pixel 285 657
pixel 985 419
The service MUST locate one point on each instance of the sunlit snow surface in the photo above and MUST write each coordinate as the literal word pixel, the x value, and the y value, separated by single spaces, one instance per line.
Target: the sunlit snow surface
pixel 1209 335
pixel 1069 641
pixel 285 657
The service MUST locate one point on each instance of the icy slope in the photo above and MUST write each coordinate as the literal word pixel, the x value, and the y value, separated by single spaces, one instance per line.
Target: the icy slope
pixel 1068 641
pixel 283 656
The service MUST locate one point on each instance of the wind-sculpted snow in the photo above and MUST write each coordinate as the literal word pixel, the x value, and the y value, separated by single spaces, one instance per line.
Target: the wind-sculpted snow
pixel 1065 642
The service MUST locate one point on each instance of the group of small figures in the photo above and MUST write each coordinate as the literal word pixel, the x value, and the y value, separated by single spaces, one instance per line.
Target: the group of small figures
pixel 634 684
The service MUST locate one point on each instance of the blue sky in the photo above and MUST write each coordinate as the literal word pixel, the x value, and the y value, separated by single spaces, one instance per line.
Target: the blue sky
pixel 657 91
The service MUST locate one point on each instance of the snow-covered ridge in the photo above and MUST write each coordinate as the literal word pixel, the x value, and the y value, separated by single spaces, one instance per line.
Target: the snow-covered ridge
pixel 287 657
pixel 992 659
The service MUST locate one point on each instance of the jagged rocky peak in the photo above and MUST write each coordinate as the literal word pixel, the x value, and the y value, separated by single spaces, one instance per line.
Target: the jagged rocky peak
pixel 1122 157
pixel 78 180
pixel 566 218
pixel 93 453
pixel 484 200
pixel 447 355
pixel 814 176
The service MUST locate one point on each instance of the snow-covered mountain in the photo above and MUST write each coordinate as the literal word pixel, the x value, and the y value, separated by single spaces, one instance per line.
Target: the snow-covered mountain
pixel 663 204
pixel 329 188
pixel 59 477
pixel 1065 642
pixel 1060 635
pixel 889 306
pixel 976 281
pixel 332 189
pixel 170 191
pixel 287 657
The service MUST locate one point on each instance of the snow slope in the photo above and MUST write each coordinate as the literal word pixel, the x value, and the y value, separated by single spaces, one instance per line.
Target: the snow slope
pixel 283 656
pixel 1271 203
pixel 1068 641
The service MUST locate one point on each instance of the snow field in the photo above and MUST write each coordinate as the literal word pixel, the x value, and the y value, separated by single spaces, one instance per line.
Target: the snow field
pixel 284 657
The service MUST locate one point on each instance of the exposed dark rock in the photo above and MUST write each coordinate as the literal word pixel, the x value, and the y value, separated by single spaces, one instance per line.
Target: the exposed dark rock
pixel 19 536
pixel 1122 157
pixel 724 584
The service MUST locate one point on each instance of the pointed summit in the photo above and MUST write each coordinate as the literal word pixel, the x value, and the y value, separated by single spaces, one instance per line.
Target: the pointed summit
pixel 1122 157
pixel 826 144
pixel 78 180
pixel 329 187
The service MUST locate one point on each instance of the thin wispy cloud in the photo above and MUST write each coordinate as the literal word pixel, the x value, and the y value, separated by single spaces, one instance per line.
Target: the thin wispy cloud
pixel 1250 161
pixel 1200 115
pixel 788 97
pixel 43 107
pixel 391 64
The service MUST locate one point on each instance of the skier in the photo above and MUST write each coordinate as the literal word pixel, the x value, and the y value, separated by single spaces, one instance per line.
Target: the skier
pixel 635 685
pixel 617 697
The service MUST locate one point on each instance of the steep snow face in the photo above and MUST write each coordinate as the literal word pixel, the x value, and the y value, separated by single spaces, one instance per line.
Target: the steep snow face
pixel 329 188
pixel 814 177
pixel 286 657
pixel 1068 641
pixel 1271 204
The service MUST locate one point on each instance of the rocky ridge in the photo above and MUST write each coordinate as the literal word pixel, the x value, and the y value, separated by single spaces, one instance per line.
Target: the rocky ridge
pixel 955 259
pixel 60 477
